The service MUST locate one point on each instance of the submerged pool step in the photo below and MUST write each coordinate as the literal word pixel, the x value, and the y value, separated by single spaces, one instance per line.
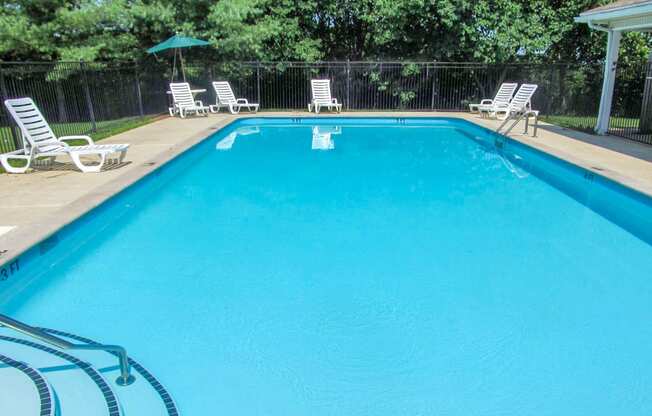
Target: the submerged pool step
pixel 79 388
pixel 82 384
pixel 145 396
pixel 24 391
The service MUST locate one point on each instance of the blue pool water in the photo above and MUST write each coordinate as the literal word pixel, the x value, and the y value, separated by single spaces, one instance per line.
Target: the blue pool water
pixel 364 267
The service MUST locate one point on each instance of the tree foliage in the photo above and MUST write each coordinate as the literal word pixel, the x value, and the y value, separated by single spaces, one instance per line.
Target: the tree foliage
pixel 492 31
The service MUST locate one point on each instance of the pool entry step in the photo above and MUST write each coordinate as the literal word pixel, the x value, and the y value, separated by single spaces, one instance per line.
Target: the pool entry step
pixel 37 377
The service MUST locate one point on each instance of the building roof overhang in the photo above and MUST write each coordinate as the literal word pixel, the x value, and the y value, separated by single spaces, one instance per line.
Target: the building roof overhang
pixel 625 15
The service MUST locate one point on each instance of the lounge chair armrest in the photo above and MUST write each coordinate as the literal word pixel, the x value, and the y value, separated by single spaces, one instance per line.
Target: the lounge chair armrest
pixel 87 138
pixel 242 101
pixel 486 101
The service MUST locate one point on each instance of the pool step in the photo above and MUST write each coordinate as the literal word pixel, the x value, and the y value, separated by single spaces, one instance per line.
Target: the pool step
pixel 24 392
pixel 33 374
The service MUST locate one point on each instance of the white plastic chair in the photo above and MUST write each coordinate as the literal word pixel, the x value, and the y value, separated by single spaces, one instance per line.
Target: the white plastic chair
pixel 504 95
pixel 40 141
pixel 225 98
pixel 321 96
pixel 184 102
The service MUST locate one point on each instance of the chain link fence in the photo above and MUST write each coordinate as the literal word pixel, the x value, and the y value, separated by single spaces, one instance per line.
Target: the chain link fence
pixel 82 98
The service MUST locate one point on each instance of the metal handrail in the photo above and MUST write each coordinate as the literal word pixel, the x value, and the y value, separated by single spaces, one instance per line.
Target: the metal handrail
pixel 125 377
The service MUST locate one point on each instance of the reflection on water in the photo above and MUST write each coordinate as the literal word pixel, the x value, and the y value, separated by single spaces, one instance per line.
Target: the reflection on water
pixel 321 137
pixel 517 171
pixel 227 142
pixel 495 150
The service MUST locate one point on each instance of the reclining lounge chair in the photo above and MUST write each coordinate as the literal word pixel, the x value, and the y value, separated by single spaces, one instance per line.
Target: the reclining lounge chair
pixel 40 141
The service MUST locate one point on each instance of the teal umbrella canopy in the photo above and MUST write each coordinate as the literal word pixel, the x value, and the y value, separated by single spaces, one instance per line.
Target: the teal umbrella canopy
pixel 176 42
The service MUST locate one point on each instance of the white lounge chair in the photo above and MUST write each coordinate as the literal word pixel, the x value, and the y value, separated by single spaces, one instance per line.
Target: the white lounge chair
pixel 321 96
pixel 520 108
pixel 40 141
pixel 224 97
pixel 184 101
pixel 504 95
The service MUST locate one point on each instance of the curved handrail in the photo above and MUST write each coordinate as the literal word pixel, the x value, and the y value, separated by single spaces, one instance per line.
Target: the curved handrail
pixel 125 377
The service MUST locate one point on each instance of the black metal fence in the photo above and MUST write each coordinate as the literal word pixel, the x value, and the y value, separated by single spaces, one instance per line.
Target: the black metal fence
pixel 564 89
pixel 631 111
pixel 86 97
pixel 78 97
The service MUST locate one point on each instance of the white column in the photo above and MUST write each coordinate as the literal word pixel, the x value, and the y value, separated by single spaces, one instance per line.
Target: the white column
pixel 613 44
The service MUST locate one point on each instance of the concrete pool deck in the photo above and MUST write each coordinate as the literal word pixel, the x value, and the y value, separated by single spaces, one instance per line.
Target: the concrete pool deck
pixel 37 204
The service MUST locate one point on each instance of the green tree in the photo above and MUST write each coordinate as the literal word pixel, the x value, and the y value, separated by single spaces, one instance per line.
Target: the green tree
pixel 492 31
pixel 264 30
pixel 65 30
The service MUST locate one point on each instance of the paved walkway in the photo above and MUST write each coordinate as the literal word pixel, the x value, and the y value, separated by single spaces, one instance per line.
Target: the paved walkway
pixel 35 205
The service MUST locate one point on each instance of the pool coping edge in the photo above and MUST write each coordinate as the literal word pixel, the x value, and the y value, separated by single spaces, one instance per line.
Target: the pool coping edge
pixel 26 237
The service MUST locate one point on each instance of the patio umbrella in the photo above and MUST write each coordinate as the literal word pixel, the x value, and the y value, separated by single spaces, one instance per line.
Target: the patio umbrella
pixel 177 43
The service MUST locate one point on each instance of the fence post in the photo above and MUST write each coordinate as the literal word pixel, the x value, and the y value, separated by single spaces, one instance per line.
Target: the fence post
pixel 348 83
pixel 209 81
pixel 89 102
pixel 3 90
pixel 258 81
pixel 138 93
pixel 434 80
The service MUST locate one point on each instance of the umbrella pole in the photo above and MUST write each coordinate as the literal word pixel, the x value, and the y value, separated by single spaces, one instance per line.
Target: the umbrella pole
pixel 174 66
pixel 183 71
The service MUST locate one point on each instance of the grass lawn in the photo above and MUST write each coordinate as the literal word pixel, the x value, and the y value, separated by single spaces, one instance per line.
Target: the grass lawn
pixel 104 128
pixel 587 123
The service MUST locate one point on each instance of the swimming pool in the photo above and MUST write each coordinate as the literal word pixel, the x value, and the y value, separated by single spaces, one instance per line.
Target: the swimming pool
pixel 363 266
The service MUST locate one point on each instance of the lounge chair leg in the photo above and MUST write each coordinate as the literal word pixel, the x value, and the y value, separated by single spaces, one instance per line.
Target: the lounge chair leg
pixel 88 169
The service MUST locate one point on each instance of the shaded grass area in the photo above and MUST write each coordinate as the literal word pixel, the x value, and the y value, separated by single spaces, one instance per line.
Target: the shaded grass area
pixel 587 123
pixel 104 129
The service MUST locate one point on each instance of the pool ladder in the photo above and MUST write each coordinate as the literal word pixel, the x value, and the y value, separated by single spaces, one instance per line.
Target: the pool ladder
pixel 524 115
pixel 125 378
